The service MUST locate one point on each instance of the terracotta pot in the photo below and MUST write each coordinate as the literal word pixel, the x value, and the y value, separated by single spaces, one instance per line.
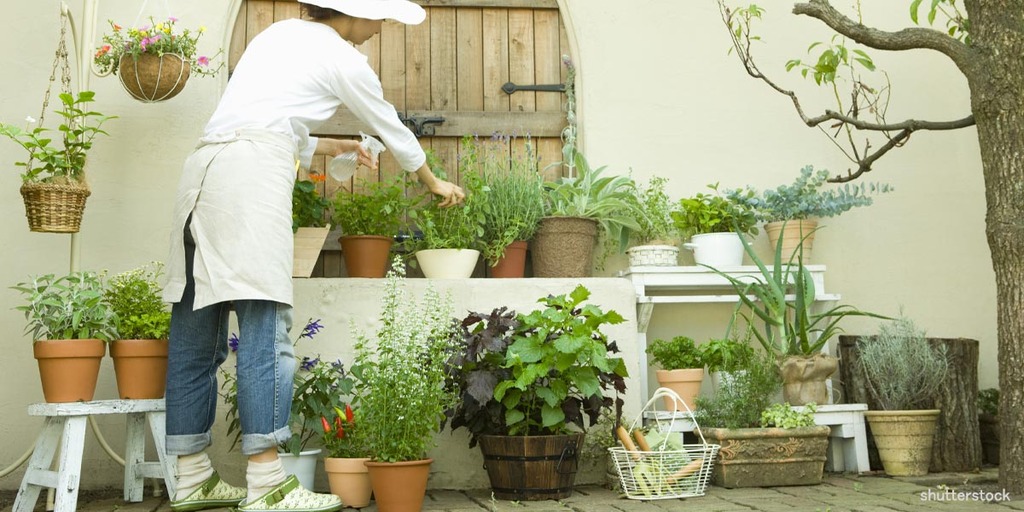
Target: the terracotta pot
pixel 140 367
pixel 685 382
pixel 153 78
pixel 513 264
pixel 447 263
pixel 366 255
pixel 399 486
pixel 904 439
pixel 350 480
pixel 564 247
pixel 795 230
pixel 68 369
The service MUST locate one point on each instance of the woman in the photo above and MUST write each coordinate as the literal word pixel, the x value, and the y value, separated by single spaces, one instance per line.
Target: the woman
pixel 231 241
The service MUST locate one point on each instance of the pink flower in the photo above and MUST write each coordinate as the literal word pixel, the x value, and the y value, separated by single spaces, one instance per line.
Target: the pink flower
pixel 172 19
pixel 203 61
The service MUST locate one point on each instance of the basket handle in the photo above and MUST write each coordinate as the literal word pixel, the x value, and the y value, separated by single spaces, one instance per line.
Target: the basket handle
pixel 663 392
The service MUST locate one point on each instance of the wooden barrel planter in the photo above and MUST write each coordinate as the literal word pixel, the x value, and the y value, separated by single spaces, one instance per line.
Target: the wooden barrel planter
pixel 531 467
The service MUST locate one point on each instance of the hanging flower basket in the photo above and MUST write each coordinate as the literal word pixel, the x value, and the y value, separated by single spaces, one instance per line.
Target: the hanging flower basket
pixel 54 207
pixel 152 78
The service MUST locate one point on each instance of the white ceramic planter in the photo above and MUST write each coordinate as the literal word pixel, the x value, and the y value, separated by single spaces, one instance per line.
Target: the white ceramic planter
pixel 447 263
pixel 303 466
pixel 716 249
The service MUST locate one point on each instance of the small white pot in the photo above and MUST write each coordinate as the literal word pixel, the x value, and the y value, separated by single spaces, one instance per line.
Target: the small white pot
pixel 303 466
pixel 716 249
pixel 447 263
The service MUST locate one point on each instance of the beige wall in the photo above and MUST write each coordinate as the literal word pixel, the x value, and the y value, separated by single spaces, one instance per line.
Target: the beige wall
pixel 659 96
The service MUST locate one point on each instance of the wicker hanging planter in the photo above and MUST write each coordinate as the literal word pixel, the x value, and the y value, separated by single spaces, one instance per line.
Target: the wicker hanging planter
pixel 54 207
pixel 152 78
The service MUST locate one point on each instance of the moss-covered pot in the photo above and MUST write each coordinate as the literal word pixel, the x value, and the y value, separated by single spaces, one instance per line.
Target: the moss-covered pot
pixel 768 457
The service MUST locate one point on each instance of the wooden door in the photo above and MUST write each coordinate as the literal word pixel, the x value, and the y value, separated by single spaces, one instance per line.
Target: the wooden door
pixel 452 66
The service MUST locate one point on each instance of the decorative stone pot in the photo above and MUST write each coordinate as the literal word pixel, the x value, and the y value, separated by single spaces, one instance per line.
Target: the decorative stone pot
pixel 685 382
pixel 513 264
pixel 69 369
pixel 349 480
pixel 904 439
pixel 447 263
pixel 804 378
pixel 564 247
pixel 366 255
pixel 399 486
pixel 531 467
pixel 303 466
pixel 140 367
pixel 794 231
pixel 769 457
pixel 153 78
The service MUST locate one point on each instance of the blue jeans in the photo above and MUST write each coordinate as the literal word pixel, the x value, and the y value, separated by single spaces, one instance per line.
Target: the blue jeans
pixel 196 349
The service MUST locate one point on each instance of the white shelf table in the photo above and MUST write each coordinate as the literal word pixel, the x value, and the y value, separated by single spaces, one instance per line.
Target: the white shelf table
pixel 848 441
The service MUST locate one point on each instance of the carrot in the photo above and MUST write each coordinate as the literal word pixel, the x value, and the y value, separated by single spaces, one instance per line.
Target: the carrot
pixel 685 471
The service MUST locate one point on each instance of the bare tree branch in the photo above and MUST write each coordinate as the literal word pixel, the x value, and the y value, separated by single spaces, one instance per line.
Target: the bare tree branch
pixel 906 39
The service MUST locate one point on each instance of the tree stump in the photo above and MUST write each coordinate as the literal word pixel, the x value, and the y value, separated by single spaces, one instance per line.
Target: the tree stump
pixel 957 444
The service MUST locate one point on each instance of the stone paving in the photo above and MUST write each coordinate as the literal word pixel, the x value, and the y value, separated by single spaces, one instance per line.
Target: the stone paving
pixel 838 493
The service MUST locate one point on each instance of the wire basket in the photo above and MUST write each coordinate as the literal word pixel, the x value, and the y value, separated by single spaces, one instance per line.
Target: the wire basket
pixel 53 207
pixel 667 471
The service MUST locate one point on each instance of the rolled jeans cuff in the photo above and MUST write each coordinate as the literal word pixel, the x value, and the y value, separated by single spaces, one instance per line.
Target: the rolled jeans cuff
pixel 187 444
pixel 259 443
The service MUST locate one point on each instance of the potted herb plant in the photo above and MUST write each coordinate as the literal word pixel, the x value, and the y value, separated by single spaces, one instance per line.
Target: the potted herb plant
pixel 344 442
pixel 53 184
pixel 452 236
pixel 791 212
pixel 370 216
pixel 764 444
pixel 682 369
pixel 309 210
pixel 528 385
pixel 656 241
pixel 70 324
pixel 401 369
pixel 714 222
pixel 143 320
pixel 154 62
pixel 722 357
pixel 903 371
pixel 578 210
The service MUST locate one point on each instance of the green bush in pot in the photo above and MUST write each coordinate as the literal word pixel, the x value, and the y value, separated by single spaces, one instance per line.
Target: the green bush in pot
pixel 67 307
pixel 373 208
pixel 716 212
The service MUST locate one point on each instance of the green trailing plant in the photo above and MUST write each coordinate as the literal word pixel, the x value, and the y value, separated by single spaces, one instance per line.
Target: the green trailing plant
pixel 455 227
pixel 653 214
pixel 375 208
pixel 988 401
pixel 783 416
pixel 538 373
pixel 725 354
pixel 309 208
pixel 740 404
pixel 47 163
pixel 678 353
pixel 402 370
pixel 782 299
pixel 805 198
pixel 135 299
pixel 67 307
pixel 605 198
pixel 901 368
pixel 716 212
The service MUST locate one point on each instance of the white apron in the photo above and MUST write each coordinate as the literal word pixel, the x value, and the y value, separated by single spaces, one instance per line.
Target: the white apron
pixel 238 189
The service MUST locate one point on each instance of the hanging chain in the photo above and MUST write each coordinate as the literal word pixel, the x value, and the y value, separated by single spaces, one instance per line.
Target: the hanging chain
pixel 60 58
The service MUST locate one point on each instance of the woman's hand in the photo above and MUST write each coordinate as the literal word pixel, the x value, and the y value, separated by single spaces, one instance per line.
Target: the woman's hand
pixel 450 193
pixel 335 147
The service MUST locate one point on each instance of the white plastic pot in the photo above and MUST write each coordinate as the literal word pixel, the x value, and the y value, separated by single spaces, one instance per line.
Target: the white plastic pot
pixel 716 249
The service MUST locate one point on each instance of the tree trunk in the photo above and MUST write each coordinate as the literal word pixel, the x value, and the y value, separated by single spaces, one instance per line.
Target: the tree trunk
pixel 995 78
pixel 957 442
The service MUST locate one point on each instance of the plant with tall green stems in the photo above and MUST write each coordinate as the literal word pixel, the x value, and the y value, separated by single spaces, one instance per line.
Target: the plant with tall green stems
pixel 717 212
pixel 402 370
pixel 605 199
pixel 68 307
pixel 516 196
pixel 740 404
pixel 902 369
pixel 653 214
pixel 725 354
pixel 791 327
pixel 455 227
pixel 374 208
pixel 134 297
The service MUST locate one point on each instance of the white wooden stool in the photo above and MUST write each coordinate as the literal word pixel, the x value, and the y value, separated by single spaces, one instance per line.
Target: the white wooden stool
pixel 65 424
pixel 848 441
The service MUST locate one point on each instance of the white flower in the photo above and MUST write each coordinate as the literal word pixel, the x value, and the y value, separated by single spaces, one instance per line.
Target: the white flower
pixel 30 120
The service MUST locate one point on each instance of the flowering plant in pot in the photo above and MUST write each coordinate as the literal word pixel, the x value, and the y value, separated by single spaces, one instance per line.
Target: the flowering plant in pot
pixel 69 322
pixel 401 394
pixel 153 61
pixel 143 325
pixel 370 216
pixel 530 383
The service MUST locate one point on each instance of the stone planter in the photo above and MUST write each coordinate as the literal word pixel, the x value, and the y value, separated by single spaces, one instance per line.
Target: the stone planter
pixel 768 457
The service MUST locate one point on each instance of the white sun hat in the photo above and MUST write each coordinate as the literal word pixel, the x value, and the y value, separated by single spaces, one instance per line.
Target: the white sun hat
pixel 403 11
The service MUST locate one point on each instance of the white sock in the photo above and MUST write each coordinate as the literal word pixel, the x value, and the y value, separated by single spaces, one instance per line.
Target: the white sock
pixel 263 477
pixel 193 470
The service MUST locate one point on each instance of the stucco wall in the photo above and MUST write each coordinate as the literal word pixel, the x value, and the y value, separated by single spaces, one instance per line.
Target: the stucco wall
pixel 659 95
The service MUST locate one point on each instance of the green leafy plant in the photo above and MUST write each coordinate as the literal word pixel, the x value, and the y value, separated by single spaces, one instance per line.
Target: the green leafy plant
pixel 157 38
pixel 536 373
pixel 68 307
pixel 343 435
pixel 805 197
pixel 308 206
pixel 77 130
pixel 134 297
pixel 739 405
pixel 725 354
pixel 606 199
pixel 988 401
pixel 653 214
pixel 402 370
pixel 676 354
pixel 375 208
pixel 717 212
pixel 319 388
pixel 901 368
pixel 455 227
pixel 783 416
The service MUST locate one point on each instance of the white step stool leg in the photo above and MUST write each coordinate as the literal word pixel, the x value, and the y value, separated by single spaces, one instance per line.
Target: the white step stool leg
pixel 157 425
pixel 70 469
pixel 38 474
pixel 134 454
